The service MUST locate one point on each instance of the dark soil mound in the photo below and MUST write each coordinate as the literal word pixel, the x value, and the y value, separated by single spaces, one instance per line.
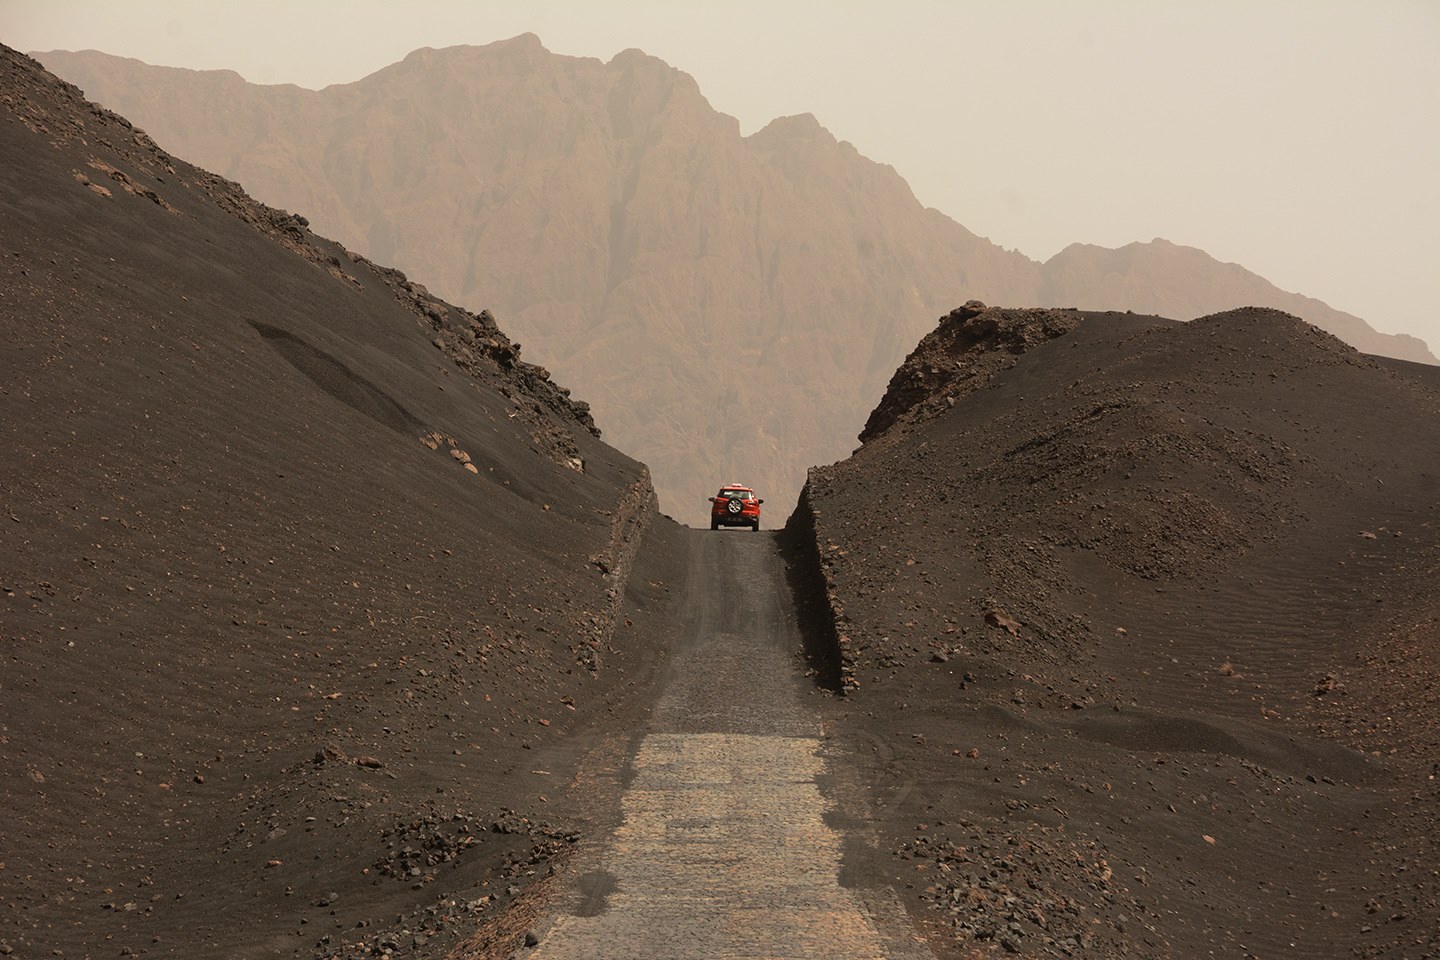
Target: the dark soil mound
pixel 311 591
pixel 1128 615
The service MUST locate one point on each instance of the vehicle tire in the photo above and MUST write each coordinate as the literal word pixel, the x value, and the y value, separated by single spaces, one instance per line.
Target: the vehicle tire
pixel 755 527
pixel 714 524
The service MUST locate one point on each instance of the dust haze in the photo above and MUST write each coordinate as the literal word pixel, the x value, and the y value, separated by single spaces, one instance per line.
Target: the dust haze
pixel 1297 138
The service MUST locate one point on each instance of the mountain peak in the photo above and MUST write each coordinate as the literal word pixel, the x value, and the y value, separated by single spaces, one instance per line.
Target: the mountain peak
pixel 524 43
pixel 800 126
pixel 631 56
pixel 523 47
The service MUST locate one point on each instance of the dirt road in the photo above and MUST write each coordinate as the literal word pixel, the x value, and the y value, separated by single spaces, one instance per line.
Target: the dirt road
pixel 724 850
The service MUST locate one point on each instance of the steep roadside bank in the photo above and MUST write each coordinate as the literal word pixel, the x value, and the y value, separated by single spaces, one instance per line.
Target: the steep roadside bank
pixel 305 574
pixel 1122 626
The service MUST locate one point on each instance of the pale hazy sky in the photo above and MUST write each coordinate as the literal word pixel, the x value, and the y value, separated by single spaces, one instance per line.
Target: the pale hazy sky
pixel 1299 138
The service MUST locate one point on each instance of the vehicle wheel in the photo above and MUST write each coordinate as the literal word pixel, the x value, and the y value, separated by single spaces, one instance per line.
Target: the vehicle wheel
pixel 714 524
pixel 755 527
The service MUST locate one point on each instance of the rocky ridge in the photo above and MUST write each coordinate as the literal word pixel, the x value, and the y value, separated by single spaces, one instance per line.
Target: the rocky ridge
pixel 961 355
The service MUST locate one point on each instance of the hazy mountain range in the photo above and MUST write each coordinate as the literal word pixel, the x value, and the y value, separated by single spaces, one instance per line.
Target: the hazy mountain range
pixel 731 306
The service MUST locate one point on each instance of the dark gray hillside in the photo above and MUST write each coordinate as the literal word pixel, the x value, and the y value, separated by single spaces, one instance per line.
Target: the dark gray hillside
pixel 1139 627
pixel 303 572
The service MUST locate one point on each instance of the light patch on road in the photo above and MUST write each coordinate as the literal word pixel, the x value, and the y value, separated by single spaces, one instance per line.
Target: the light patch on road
pixel 723 853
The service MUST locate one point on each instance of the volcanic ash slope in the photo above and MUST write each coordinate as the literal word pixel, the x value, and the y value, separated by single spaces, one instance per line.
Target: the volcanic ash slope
pixel 310 589
pixel 1139 629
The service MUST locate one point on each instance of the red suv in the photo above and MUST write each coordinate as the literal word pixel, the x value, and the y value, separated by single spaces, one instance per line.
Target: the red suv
pixel 735 506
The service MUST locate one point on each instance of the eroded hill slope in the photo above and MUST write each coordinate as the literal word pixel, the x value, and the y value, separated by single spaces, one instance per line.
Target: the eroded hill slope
pixel 304 573
pixel 1138 622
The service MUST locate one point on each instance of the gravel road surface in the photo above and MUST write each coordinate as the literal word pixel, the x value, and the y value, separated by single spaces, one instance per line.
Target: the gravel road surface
pixel 724 850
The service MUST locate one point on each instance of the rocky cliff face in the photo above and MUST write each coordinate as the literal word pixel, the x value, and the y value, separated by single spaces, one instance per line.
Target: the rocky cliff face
pixel 730 305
